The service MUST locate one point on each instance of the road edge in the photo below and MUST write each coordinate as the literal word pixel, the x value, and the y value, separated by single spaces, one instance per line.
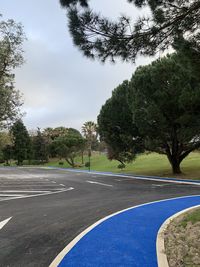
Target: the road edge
pixel 160 245
pixel 132 176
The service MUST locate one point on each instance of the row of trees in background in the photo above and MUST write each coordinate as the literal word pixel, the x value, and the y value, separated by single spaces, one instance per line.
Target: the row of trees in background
pixel 18 144
pixel 157 110
pixel 39 146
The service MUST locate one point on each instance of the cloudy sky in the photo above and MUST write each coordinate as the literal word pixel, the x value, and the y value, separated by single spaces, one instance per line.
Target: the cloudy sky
pixel 60 86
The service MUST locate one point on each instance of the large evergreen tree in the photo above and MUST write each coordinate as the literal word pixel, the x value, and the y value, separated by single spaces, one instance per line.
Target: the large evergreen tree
pixel 116 127
pixel 165 101
pixel 40 147
pixel 100 37
pixel 21 142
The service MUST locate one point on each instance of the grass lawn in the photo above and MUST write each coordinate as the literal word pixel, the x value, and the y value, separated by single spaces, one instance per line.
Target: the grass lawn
pixel 192 217
pixel 145 164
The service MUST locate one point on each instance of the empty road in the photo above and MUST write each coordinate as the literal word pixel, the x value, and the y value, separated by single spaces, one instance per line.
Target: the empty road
pixel 42 210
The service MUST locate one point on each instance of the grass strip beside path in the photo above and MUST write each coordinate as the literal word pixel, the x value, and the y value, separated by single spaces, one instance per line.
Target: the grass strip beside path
pixel 146 164
pixel 182 240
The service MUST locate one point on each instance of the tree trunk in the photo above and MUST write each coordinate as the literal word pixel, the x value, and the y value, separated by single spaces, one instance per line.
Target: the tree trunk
pixel 176 167
pixel 175 162
pixel 70 161
pixel 82 157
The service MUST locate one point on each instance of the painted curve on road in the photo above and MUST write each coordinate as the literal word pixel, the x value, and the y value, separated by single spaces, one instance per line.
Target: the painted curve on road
pixel 128 238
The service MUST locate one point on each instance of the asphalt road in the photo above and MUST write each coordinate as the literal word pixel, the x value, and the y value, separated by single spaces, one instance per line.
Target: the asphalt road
pixel 50 207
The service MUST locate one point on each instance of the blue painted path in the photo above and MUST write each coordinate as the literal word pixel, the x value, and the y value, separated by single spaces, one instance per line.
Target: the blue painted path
pixel 126 239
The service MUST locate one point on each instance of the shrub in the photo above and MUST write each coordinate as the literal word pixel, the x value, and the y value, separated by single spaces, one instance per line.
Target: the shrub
pixel 87 164
pixel 121 166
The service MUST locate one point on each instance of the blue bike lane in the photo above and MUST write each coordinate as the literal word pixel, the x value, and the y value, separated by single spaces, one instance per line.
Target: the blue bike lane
pixel 127 238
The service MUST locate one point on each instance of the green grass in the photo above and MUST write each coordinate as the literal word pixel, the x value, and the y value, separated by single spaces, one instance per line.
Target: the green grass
pixel 192 217
pixel 145 164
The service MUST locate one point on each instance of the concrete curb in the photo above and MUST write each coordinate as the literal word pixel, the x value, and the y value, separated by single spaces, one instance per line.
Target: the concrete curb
pixel 160 245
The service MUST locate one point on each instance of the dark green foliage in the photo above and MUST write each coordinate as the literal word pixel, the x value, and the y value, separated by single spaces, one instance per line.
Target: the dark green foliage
pixel 87 164
pixel 100 37
pixel 40 147
pixel 51 134
pixel 69 145
pixel 7 153
pixel 116 127
pixel 165 101
pixel 11 40
pixel 121 166
pixel 68 3
pixel 21 142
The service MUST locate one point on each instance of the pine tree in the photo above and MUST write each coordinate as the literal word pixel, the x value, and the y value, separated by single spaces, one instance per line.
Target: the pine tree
pixel 99 37
pixel 40 147
pixel 21 142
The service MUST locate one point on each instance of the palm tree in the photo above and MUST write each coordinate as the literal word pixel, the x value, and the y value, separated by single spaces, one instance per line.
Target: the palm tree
pixel 89 130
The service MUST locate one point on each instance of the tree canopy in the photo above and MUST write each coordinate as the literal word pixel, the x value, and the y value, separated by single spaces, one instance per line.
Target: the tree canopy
pixel 116 126
pixel 11 40
pixel 100 37
pixel 89 130
pixel 164 99
pixel 68 146
pixel 21 142
pixel 40 147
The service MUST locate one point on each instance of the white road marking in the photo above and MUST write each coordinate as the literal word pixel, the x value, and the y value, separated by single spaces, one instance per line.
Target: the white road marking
pixel 155 179
pixel 38 195
pixel 125 179
pixel 24 191
pixel 53 182
pixel 92 182
pixel 10 195
pixel 3 223
pixel 159 185
pixel 62 184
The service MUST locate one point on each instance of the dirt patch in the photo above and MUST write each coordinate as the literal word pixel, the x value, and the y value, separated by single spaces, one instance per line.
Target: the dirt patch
pixel 182 242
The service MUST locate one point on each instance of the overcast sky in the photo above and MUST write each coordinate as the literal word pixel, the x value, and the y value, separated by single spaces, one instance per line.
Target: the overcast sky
pixel 60 86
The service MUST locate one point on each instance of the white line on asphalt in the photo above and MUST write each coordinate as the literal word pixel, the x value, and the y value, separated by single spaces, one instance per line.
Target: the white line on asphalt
pixel 38 195
pixel 62 184
pixel 159 179
pixel 3 223
pixel 11 195
pixel 159 185
pixel 24 191
pixel 53 182
pixel 125 179
pixel 92 182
